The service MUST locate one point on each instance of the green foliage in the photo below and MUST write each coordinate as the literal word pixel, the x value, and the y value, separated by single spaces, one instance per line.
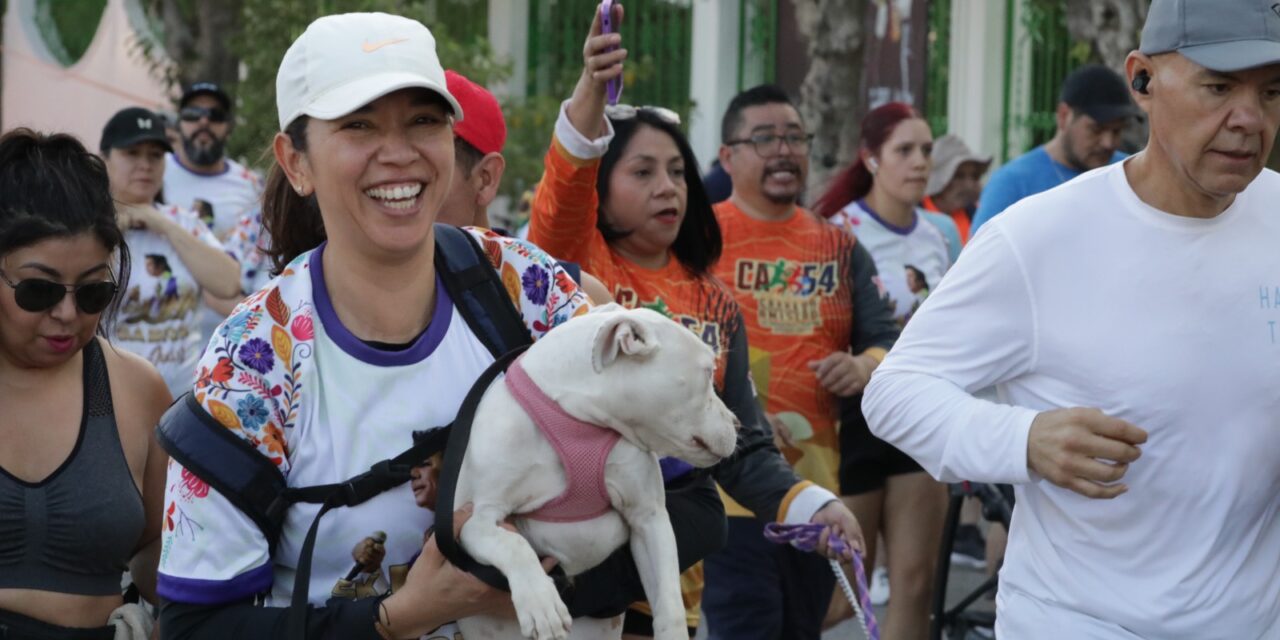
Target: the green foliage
pixel 68 26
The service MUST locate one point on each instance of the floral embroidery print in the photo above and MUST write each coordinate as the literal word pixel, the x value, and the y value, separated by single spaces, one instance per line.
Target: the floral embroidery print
pixel 253 386
pixel 256 354
pixel 535 284
pixel 252 412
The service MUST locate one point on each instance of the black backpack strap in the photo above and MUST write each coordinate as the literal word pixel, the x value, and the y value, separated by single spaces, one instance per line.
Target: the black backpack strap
pixel 245 477
pixel 253 484
pixel 478 292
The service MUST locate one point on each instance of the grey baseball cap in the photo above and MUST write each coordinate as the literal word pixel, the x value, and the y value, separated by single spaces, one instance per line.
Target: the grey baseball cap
pixel 1220 35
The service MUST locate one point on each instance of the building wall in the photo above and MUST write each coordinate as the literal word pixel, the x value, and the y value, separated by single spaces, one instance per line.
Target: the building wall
pixel 42 94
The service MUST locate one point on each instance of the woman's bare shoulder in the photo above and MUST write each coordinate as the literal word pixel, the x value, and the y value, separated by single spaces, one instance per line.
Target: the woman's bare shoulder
pixel 137 388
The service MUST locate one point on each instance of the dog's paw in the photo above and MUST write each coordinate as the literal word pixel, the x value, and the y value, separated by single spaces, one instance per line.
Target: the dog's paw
pixel 672 630
pixel 542 615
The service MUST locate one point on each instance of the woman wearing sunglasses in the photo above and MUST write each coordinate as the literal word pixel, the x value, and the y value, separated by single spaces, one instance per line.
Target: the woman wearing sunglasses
pixel 622 197
pixel 81 475
pixel 176 257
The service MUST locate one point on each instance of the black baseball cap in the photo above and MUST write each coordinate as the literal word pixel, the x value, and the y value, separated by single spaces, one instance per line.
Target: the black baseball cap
pixel 132 126
pixel 1098 92
pixel 205 89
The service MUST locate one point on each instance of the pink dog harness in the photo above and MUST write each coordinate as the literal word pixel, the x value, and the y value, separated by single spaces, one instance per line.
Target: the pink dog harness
pixel 583 449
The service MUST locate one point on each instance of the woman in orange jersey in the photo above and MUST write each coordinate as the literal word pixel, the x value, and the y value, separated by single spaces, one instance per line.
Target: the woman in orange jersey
pixel 622 197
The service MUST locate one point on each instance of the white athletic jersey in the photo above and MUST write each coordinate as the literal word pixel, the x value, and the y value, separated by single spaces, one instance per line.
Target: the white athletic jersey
pixel 1085 296
pixel 159 312
pixel 233 193
pixel 894 249
pixel 284 374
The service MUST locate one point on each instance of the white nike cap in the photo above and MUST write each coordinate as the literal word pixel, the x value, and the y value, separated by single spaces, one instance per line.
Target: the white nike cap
pixel 343 62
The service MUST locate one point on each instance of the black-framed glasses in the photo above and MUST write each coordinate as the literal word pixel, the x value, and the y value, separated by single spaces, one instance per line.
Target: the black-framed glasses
pixel 627 112
pixel 38 295
pixel 193 114
pixel 768 145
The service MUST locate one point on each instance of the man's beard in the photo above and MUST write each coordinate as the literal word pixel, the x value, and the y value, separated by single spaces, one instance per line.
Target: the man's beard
pixel 790 197
pixel 203 156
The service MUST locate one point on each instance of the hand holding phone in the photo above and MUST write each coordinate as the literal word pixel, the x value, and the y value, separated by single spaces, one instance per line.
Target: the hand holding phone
pixel 614 86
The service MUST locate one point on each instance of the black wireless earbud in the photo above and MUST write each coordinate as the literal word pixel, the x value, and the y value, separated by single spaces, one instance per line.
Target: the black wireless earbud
pixel 1141 81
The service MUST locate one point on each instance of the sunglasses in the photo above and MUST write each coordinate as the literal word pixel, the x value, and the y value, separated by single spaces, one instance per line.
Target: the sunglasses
pixel 193 114
pixel 627 112
pixel 38 295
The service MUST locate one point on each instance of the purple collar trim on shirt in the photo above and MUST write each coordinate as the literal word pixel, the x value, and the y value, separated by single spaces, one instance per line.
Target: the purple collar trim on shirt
pixel 423 347
pixel 902 231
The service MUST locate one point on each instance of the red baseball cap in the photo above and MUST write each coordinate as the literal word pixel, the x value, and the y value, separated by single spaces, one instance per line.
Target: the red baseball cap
pixel 484 128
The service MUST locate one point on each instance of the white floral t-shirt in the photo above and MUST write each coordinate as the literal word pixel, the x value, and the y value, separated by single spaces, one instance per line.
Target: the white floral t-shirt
pixel 284 374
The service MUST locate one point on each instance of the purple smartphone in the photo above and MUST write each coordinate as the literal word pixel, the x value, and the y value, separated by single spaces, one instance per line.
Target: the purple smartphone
pixel 606 26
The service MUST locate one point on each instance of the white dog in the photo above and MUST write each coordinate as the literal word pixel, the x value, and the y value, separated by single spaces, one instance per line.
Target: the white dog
pixel 638 374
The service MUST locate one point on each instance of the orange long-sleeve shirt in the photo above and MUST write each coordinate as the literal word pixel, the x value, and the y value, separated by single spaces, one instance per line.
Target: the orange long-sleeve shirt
pixel 563 223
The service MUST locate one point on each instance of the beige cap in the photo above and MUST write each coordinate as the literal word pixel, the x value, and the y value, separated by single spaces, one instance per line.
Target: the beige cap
pixel 949 152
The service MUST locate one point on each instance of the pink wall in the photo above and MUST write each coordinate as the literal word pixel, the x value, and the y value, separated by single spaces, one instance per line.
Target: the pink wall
pixel 42 94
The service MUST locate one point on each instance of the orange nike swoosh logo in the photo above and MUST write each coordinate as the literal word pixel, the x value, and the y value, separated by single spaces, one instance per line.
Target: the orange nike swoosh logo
pixel 370 48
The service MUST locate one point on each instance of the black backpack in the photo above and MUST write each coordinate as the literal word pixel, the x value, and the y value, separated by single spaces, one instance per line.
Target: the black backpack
pixel 252 483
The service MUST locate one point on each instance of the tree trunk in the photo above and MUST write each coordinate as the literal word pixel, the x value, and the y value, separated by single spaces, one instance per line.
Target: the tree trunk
pixel 219 22
pixel 831 95
pixel 197 39
pixel 1111 29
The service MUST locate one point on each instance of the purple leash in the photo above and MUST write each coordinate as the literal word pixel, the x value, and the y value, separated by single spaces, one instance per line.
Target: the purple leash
pixel 805 538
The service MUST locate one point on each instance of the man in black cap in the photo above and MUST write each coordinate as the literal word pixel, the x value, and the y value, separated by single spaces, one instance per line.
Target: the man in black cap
pixel 1129 322
pixel 198 175
pixel 198 169
pixel 1092 114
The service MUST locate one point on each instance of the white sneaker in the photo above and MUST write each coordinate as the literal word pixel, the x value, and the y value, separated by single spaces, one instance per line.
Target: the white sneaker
pixel 879 587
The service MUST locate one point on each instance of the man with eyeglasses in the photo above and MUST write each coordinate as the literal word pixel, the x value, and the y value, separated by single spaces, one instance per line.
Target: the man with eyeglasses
pixel 198 174
pixel 817 326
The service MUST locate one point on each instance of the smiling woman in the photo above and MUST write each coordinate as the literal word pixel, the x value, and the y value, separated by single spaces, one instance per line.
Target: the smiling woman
pixel 354 346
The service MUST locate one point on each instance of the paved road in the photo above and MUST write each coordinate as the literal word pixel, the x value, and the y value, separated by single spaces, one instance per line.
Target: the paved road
pixel 962 582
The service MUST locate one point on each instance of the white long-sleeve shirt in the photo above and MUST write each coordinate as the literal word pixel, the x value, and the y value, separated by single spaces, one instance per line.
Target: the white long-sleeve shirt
pixel 1086 296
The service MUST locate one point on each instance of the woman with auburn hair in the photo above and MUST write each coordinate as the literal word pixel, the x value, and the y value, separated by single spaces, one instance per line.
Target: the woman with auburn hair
pixel 876 199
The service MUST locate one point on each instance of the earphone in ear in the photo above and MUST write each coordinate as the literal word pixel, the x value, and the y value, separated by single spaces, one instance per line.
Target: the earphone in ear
pixel 1141 82
pixel 872 164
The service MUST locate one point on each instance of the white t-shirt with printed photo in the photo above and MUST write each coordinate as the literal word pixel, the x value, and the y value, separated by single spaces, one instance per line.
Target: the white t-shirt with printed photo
pixel 159 312
pixel 894 249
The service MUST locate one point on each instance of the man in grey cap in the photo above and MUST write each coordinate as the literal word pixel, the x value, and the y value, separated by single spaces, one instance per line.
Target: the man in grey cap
pixel 1129 322
pixel 1091 116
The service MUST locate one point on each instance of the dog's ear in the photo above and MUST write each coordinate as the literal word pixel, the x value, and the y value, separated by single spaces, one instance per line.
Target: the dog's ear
pixel 621 335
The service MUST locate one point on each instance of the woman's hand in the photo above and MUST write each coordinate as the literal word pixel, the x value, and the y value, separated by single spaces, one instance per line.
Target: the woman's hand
pixel 436 592
pixel 840 523
pixel 843 373
pixel 140 216
pixel 599 66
